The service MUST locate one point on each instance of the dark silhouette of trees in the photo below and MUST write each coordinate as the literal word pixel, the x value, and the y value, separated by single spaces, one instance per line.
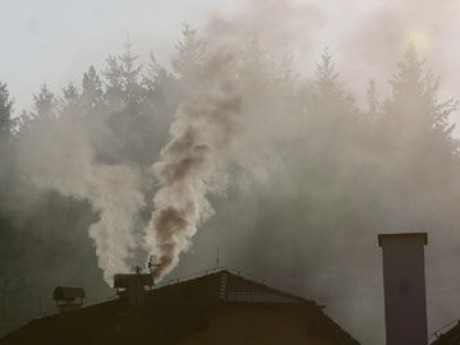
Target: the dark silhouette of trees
pixel 70 102
pixel 136 103
pixel 6 111
pixel 130 72
pixel 162 93
pixel 92 92
pixel 122 79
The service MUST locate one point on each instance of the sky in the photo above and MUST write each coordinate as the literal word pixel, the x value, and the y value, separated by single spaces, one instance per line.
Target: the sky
pixel 54 42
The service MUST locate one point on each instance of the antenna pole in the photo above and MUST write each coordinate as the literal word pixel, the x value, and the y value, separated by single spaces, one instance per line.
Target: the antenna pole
pixel 217 258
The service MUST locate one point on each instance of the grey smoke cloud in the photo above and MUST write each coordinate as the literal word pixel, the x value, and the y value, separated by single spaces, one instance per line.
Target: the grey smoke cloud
pixel 59 155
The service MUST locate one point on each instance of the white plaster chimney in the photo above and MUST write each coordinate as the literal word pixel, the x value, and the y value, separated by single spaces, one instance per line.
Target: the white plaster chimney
pixel 404 285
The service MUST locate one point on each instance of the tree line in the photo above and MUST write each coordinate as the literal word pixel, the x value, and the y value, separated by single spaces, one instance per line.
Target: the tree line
pixel 335 167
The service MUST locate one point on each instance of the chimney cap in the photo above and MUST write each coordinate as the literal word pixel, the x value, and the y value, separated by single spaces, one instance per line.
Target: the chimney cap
pixel 424 235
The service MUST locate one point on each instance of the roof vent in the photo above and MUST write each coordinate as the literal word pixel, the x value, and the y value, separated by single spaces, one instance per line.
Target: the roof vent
pixel 68 298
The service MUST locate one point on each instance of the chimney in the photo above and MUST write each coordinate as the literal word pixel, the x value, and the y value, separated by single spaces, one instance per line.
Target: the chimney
pixel 404 285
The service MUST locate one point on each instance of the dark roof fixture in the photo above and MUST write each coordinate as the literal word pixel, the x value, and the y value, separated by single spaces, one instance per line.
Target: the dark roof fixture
pixel 68 294
pixel 68 298
pixel 131 287
pixel 124 281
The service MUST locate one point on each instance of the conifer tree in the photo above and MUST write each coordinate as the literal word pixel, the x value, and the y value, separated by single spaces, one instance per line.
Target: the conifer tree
pixel 70 102
pixel 130 74
pixel 92 91
pixel 190 51
pixel 331 109
pixel 6 111
pixel 413 118
pixel 414 135
pixel 44 104
pixel 113 83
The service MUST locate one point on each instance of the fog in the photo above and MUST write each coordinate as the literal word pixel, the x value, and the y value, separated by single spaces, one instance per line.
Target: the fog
pixel 287 151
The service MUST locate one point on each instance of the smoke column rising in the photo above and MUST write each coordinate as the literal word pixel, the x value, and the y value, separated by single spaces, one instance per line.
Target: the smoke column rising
pixel 70 168
pixel 205 126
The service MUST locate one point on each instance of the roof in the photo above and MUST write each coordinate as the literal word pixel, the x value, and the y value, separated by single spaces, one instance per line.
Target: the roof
pixel 176 311
pixel 236 288
pixel 451 337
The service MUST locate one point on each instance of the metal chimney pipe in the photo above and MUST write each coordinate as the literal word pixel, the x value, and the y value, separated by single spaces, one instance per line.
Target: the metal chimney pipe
pixel 404 286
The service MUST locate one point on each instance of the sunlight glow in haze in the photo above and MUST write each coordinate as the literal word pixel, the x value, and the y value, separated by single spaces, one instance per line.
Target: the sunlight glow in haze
pixel 420 39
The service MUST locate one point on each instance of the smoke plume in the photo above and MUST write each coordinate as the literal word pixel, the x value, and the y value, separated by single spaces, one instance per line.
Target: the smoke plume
pixel 204 128
pixel 114 191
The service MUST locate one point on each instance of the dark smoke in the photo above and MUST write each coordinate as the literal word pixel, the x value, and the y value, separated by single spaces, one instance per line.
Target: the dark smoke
pixel 204 128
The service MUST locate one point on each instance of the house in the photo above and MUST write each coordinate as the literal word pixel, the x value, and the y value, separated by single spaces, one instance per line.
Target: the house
pixel 217 308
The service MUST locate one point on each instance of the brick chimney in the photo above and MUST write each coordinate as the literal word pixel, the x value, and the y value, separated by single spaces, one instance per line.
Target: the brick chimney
pixel 404 285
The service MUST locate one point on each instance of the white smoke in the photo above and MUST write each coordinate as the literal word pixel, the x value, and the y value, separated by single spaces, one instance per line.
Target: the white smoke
pixel 70 168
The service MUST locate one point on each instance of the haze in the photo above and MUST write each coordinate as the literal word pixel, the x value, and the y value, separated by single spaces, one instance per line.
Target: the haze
pixel 288 134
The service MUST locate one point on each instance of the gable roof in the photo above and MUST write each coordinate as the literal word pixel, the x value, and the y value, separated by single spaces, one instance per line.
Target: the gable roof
pixel 238 289
pixel 232 287
pixel 175 310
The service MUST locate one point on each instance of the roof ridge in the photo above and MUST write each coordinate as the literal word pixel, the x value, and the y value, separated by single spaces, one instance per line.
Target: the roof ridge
pixel 273 289
pixel 261 283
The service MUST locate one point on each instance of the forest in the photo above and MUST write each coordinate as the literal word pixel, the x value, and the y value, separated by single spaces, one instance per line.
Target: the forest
pixel 310 176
